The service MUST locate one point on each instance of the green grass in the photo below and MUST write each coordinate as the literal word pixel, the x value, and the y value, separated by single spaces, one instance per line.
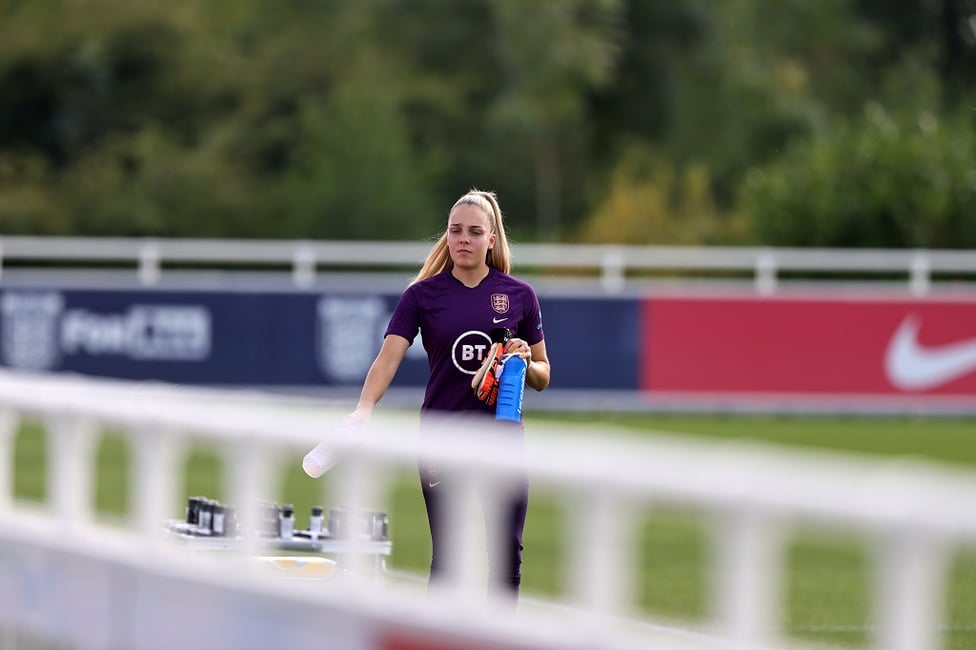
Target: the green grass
pixel 827 581
pixel 940 439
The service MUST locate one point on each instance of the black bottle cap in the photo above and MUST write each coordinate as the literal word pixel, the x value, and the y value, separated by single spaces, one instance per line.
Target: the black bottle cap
pixel 193 510
pixel 499 335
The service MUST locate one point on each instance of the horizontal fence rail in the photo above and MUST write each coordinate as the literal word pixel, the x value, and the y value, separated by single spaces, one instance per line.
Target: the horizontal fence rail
pixel 911 513
pixel 611 263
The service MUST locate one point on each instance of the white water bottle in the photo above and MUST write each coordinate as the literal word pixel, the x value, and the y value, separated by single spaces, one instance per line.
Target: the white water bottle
pixel 286 521
pixel 324 455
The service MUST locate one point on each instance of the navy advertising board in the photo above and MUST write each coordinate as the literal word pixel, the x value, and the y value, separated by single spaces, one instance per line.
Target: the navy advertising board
pixel 188 337
pixel 275 338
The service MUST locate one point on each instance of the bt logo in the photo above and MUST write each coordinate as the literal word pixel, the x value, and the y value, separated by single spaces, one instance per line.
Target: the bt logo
pixel 469 350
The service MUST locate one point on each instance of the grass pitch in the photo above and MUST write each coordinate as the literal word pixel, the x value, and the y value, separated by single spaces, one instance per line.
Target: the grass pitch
pixel 826 594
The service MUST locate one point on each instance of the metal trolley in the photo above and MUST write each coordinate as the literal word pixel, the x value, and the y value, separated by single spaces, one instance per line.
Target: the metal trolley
pixel 324 549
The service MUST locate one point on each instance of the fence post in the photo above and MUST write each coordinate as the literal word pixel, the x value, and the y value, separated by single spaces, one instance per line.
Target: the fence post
pixel 613 270
pixel 909 589
pixel 303 266
pixel 70 464
pixel 920 280
pixel 602 528
pixel 748 558
pixel 153 474
pixel 765 272
pixel 8 431
pixel 149 265
pixel 249 461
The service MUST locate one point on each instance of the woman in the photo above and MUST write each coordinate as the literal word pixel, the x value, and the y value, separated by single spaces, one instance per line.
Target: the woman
pixel 463 292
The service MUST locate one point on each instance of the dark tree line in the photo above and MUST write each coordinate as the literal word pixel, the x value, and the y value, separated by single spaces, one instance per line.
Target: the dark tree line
pixel 787 122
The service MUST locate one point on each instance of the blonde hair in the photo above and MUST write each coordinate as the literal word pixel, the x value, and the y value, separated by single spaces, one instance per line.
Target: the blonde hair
pixel 499 256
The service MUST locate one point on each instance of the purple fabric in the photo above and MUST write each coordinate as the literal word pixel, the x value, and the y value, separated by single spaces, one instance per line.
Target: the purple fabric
pixel 454 322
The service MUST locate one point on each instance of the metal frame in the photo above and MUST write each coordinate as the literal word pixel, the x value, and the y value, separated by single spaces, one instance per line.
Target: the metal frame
pixel 613 264
pixel 911 514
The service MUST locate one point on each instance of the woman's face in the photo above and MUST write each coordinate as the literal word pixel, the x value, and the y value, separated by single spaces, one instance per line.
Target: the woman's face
pixel 469 236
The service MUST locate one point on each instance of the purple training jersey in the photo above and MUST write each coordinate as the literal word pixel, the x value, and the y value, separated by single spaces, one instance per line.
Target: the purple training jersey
pixel 454 322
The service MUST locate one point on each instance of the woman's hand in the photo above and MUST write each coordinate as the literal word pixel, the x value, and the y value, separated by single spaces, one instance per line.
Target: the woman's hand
pixel 520 347
pixel 358 419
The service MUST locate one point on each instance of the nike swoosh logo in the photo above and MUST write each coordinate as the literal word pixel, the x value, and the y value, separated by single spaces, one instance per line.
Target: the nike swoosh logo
pixel 911 366
pixel 433 484
pixel 498 320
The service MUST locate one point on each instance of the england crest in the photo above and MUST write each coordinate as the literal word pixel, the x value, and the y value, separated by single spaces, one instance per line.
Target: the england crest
pixel 350 330
pixel 30 323
pixel 499 302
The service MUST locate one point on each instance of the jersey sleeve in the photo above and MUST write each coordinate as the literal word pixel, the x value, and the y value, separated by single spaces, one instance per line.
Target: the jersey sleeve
pixel 405 320
pixel 531 326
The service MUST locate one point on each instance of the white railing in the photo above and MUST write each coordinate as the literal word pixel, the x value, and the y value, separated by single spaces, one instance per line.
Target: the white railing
pixel 611 263
pixel 63 575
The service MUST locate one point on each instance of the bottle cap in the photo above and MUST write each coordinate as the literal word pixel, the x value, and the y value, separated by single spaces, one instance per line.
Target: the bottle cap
pixel 499 335
pixel 193 510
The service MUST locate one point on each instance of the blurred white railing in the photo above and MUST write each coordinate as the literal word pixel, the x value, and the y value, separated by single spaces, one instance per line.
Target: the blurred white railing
pixel 64 576
pixel 611 263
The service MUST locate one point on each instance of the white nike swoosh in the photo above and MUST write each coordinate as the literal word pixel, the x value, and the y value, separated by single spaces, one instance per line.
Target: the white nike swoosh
pixel 433 484
pixel 498 320
pixel 910 366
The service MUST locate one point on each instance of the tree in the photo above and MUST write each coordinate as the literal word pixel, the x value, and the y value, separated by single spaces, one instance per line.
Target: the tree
pixel 552 53
pixel 884 180
pixel 649 201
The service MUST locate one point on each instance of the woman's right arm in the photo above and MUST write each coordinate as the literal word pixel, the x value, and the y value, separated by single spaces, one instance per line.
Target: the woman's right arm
pixel 380 375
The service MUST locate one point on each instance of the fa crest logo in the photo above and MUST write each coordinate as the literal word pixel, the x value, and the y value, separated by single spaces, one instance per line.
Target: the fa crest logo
pixel 499 302
pixel 347 333
pixel 30 324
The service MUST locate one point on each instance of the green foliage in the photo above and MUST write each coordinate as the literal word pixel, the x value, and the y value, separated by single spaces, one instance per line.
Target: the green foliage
pixel 648 201
pixel 881 181
pixel 545 81
pixel 137 136
pixel 367 118
pixel 369 186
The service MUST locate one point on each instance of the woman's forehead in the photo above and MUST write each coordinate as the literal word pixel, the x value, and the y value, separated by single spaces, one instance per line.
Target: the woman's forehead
pixel 468 215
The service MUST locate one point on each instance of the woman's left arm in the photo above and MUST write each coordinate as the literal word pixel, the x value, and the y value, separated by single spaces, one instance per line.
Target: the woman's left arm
pixel 536 361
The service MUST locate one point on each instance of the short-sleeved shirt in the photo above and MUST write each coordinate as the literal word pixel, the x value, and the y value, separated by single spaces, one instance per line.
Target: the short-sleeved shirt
pixel 455 324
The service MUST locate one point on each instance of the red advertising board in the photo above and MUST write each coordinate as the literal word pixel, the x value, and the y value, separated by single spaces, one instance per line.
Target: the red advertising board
pixel 809 346
pixel 416 640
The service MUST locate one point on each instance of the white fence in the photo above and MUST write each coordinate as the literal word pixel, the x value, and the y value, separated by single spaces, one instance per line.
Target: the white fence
pixel 611 263
pixel 67 580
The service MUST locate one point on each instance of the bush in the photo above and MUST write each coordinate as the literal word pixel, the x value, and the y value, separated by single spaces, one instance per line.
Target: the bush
pixel 880 182
pixel 650 201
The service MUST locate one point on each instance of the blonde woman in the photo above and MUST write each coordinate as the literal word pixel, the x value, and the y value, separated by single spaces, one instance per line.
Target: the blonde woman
pixel 462 293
